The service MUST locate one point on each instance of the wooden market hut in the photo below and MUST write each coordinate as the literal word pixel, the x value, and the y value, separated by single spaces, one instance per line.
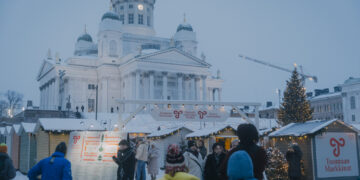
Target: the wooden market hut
pixel 211 135
pixel 15 149
pixel 27 146
pixel 329 147
pixel 163 138
pixel 52 131
pixel 9 131
pixel 2 134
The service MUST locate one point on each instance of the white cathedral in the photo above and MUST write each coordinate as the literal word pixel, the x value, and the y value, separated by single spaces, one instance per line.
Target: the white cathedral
pixel 128 62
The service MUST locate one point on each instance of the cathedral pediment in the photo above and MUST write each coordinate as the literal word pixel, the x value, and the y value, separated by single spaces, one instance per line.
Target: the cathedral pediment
pixel 173 56
pixel 45 67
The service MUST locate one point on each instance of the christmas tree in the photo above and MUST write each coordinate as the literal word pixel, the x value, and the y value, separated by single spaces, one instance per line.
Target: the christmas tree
pixel 295 107
pixel 277 166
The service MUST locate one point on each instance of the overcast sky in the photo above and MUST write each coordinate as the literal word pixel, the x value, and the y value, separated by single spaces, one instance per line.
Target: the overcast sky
pixel 323 36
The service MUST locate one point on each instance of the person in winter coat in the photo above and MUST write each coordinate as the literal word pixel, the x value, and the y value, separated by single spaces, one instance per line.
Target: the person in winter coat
pixel 248 136
pixel 153 164
pixel 201 148
pixel 55 167
pixel 193 160
pixel 141 157
pixel 240 166
pixel 293 156
pixel 213 162
pixel 7 170
pixel 175 168
pixel 125 160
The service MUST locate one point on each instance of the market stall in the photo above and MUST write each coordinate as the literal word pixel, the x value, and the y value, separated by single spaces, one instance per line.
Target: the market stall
pixel 27 146
pixel 210 135
pixel 163 138
pixel 15 149
pixel 329 147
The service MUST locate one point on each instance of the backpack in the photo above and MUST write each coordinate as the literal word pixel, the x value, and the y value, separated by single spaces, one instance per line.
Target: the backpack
pixel 240 166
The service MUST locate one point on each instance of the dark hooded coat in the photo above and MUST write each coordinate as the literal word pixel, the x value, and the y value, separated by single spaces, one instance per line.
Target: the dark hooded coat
pixel 294 160
pixel 7 170
pixel 126 161
pixel 212 166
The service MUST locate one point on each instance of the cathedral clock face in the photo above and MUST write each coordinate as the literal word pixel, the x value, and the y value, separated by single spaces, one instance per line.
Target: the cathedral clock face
pixel 140 7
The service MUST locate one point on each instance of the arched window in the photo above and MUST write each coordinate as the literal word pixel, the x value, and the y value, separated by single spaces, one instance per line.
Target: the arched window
pixel 113 49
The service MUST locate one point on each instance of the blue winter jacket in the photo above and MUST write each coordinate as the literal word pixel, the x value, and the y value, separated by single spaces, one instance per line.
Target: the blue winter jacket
pixel 55 167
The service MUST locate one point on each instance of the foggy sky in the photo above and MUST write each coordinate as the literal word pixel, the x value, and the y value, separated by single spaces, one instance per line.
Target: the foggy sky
pixel 322 36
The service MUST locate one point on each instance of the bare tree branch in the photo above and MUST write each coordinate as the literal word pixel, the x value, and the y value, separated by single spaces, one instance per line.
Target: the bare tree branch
pixel 14 99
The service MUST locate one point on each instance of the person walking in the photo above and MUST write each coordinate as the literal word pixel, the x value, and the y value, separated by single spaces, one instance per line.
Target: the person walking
pixel 125 160
pixel 201 148
pixel 213 162
pixel 153 164
pixel 193 160
pixel 55 167
pixel 141 157
pixel 293 156
pixel 175 168
pixel 7 170
pixel 248 136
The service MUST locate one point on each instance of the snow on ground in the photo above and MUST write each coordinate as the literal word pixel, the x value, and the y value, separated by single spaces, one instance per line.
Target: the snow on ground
pixel 20 176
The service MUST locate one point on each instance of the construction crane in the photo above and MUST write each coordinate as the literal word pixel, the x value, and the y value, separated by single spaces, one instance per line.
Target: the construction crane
pixel 301 73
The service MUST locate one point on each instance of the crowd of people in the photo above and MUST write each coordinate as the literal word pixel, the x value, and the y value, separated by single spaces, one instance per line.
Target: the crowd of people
pixel 245 160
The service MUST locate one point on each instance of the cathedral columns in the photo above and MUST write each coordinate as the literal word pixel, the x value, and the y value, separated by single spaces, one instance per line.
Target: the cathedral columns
pixel 56 89
pixel 192 87
pixel 203 80
pixel 219 94
pixel 51 95
pixel 46 96
pixel 197 88
pixel 180 86
pixel 133 85
pixel 41 97
pixel 165 83
pixel 137 84
pixel 104 98
pixel 151 84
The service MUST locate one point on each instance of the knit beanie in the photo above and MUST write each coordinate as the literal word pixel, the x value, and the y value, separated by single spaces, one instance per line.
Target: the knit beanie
pixel 3 148
pixel 175 161
pixel 61 147
pixel 240 166
pixel 124 142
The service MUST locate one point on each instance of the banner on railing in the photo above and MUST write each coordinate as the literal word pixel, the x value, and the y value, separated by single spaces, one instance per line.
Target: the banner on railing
pixel 196 114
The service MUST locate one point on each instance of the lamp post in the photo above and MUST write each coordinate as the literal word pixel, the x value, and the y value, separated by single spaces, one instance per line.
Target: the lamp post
pixel 96 108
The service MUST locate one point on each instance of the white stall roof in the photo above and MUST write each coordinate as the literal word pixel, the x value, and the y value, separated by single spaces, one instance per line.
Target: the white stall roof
pixel 70 124
pixel 2 130
pixel 17 128
pixel 300 129
pixel 8 129
pixel 166 131
pixel 29 127
pixel 209 130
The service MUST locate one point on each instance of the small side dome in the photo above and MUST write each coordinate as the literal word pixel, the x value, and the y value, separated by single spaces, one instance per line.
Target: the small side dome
pixel 110 15
pixel 185 27
pixel 85 37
